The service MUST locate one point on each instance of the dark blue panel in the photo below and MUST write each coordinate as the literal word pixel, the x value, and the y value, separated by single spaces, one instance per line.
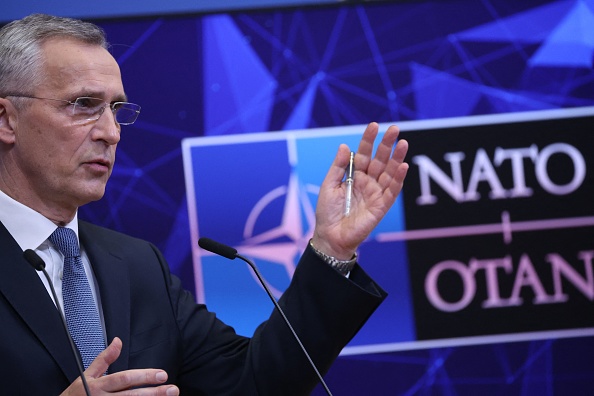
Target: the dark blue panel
pixel 351 64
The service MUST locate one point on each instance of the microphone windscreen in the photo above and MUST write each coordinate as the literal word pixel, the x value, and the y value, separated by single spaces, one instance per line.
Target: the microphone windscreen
pixel 217 248
pixel 33 259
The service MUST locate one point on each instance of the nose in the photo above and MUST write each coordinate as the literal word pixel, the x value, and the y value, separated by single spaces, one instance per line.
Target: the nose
pixel 106 128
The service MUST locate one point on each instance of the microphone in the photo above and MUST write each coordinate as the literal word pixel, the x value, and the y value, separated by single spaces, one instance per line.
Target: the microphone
pixel 231 253
pixel 39 265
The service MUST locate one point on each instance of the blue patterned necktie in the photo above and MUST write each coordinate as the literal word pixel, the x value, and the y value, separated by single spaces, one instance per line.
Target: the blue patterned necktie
pixel 80 310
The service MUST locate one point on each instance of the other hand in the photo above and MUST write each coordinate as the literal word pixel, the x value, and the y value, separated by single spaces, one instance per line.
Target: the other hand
pixel 121 383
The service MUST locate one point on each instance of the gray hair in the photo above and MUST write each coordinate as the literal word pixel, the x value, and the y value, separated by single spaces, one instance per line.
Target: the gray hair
pixel 21 57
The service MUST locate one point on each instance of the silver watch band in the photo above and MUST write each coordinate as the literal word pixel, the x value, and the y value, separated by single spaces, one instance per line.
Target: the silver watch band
pixel 342 266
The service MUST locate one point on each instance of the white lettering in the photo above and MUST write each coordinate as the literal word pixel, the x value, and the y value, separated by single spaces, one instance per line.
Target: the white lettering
pixel 523 276
pixel 428 169
pixel 490 266
pixel 579 168
pixel 484 170
pixel 516 157
pixel 526 276
pixel 584 284
pixel 432 292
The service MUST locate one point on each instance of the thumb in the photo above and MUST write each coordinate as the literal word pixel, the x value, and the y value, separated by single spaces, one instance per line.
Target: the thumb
pixel 105 359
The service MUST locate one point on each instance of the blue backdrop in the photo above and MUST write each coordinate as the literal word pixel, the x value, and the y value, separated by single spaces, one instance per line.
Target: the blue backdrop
pixel 271 70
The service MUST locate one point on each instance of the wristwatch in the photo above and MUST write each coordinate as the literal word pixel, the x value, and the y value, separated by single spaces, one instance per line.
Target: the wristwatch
pixel 342 266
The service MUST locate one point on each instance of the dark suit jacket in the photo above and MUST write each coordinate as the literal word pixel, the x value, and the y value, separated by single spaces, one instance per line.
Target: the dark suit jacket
pixel 162 327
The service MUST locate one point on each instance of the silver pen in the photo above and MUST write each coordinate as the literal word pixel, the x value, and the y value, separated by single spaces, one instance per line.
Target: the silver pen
pixel 349 174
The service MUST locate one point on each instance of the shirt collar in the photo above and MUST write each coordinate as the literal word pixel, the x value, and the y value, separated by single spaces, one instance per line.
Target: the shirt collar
pixel 29 228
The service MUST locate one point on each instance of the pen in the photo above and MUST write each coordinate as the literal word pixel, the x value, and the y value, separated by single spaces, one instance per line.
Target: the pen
pixel 349 173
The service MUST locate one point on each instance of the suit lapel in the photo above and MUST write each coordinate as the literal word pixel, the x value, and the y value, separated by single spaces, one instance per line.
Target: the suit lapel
pixel 23 289
pixel 106 258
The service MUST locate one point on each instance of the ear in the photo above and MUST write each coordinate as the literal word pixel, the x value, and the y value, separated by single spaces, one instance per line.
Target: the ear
pixel 8 121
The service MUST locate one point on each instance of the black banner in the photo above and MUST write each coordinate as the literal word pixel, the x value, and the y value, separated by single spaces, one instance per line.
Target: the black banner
pixel 501 218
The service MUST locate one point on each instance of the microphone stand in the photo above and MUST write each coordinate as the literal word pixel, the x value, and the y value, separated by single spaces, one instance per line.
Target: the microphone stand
pixel 231 253
pixel 257 272
pixel 39 265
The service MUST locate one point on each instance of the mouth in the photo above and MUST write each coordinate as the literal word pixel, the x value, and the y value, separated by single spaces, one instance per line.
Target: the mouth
pixel 100 165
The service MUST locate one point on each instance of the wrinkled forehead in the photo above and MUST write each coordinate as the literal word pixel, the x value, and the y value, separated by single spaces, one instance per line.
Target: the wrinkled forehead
pixel 74 67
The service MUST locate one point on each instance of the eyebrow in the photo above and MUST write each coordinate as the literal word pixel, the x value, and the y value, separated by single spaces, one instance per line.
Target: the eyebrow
pixel 100 95
pixel 122 98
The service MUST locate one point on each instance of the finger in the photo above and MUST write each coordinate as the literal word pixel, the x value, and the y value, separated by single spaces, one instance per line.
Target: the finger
pixel 396 179
pixel 396 168
pixel 165 390
pixel 365 149
pixel 132 379
pixel 383 153
pixel 105 359
pixel 400 151
pixel 397 182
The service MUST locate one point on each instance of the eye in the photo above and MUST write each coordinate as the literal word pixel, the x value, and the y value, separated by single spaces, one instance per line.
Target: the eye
pixel 88 103
pixel 88 106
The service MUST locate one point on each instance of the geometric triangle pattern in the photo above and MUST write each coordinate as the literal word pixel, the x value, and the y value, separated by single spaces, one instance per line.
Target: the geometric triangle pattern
pixel 571 43
pixel 439 94
pixel 563 30
pixel 240 90
pixel 334 65
pixel 531 26
pixel 293 69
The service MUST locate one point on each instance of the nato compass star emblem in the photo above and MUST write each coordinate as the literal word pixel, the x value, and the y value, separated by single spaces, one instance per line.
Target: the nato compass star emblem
pixel 284 243
pixel 257 193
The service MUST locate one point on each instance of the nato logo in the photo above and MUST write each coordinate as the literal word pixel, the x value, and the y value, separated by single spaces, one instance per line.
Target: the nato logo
pixel 257 193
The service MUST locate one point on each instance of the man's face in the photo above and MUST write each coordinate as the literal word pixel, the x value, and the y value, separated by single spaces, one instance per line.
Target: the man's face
pixel 61 163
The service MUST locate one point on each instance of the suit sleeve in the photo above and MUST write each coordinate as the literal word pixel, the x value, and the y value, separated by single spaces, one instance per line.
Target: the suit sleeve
pixel 325 308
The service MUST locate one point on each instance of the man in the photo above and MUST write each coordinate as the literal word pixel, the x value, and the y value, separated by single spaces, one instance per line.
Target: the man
pixel 62 105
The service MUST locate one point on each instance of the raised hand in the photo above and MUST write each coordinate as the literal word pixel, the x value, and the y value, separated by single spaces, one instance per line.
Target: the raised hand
pixel 378 181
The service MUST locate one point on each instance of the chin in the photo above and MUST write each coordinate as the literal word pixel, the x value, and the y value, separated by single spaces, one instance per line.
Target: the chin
pixel 91 195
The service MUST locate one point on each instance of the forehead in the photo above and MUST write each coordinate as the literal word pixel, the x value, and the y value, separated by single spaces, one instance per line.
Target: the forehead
pixel 71 66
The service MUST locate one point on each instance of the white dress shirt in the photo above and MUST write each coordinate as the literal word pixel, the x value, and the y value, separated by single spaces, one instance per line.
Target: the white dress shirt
pixel 31 230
